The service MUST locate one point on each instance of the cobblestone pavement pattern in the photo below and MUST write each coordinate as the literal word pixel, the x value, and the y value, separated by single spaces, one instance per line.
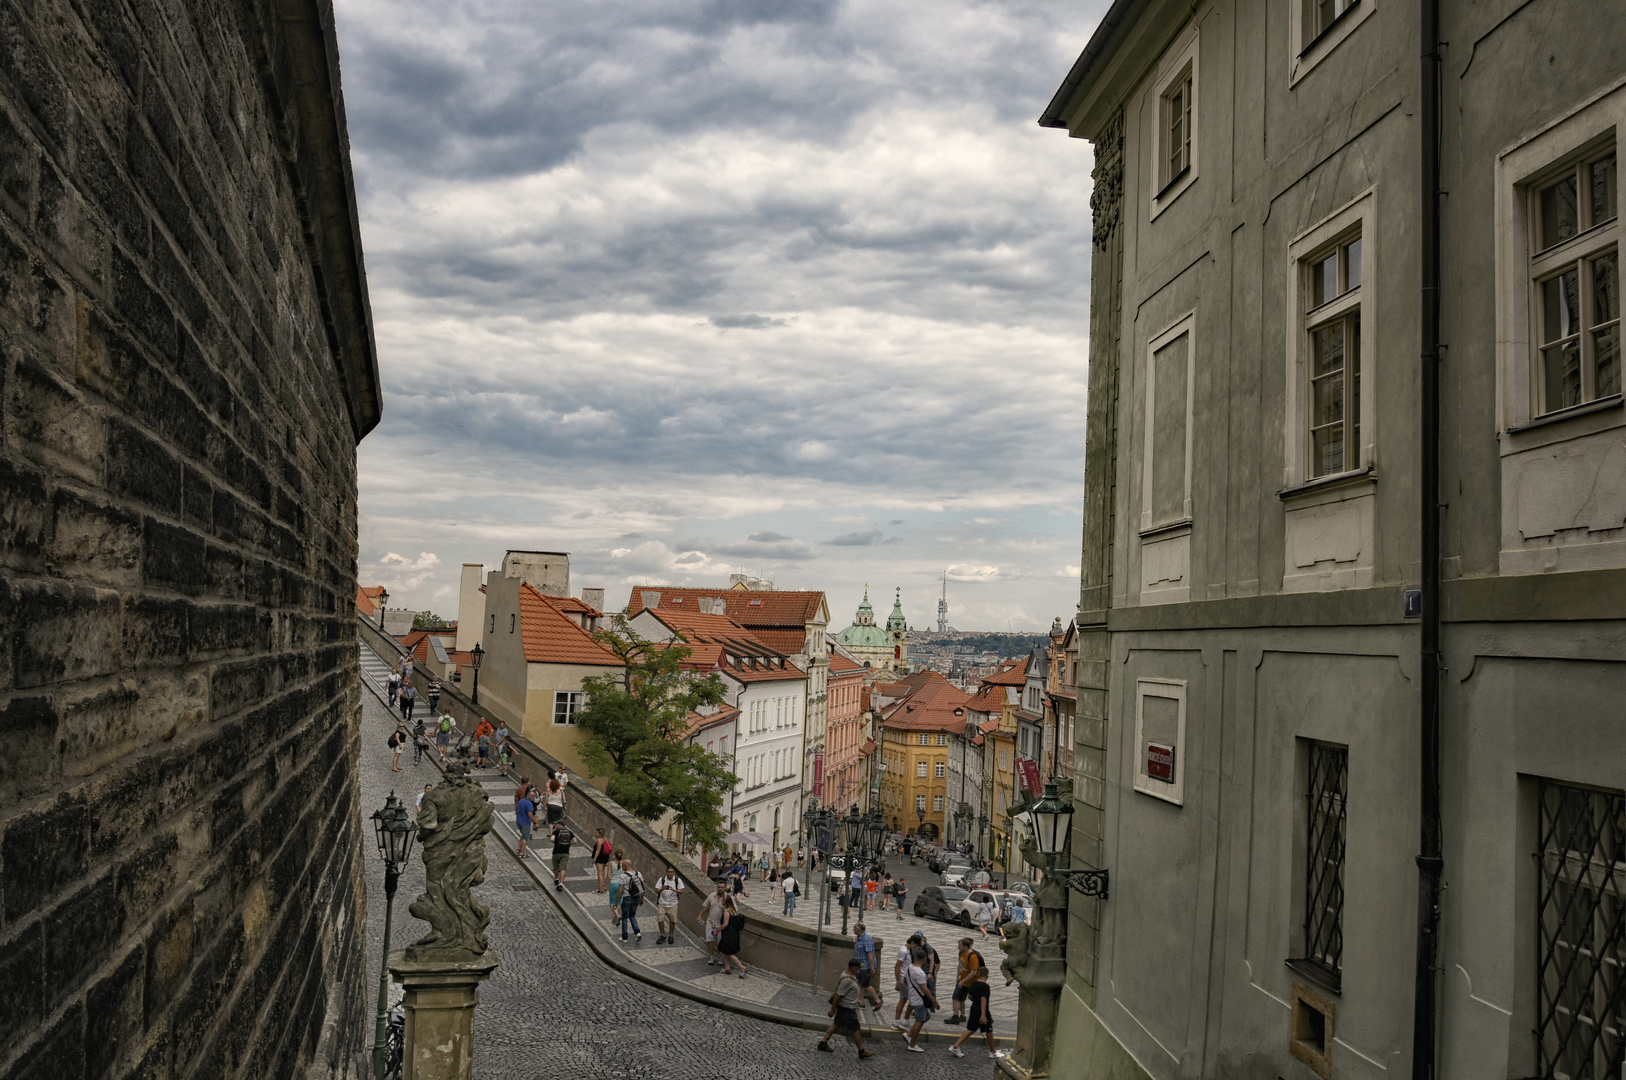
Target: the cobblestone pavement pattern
pixel 553 1010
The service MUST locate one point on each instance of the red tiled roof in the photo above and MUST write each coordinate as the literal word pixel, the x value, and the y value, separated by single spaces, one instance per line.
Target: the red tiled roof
pixel 747 607
pixel 840 665
pixel 726 714
pixel 937 705
pixel 366 599
pixel 571 605
pixel 788 642
pixel 1010 673
pixel 552 637
pixel 712 639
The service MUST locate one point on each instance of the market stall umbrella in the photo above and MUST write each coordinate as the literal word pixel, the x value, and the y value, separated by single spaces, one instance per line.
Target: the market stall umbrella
pixel 749 838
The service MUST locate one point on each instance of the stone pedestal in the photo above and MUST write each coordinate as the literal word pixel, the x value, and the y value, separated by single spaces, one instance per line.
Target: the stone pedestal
pixel 440 1000
pixel 1040 994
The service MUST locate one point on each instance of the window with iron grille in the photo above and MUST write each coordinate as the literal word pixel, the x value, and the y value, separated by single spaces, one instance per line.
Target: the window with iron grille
pixel 1580 933
pixel 1327 797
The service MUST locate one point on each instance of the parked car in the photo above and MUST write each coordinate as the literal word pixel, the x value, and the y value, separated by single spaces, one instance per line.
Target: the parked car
pixel 939 902
pixel 1024 889
pixel 954 873
pixel 965 912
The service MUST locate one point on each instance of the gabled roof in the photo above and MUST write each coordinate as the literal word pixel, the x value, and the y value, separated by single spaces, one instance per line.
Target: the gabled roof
pixel 841 665
pixel 725 714
pixel 552 637
pixel 1010 673
pixel 367 599
pixel 748 607
pixel 934 704
pixel 717 643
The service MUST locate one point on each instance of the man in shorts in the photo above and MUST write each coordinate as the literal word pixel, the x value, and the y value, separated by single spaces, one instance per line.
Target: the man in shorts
pixel 868 968
pixel 562 839
pixel 921 999
pixel 900 968
pixel 667 892
pixel 978 1018
pixel 443 735
pixel 844 1005
pixel 711 914
pixel 524 821
pixel 971 962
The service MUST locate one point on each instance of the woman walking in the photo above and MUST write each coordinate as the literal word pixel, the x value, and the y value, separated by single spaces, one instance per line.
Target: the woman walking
pixel 601 859
pixel 986 913
pixel 615 892
pixel 886 891
pixel 728 940
pixel 555 800
pixel 632 897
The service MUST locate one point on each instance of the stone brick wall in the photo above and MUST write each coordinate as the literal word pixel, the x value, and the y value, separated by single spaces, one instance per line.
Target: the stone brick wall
pixel 185 368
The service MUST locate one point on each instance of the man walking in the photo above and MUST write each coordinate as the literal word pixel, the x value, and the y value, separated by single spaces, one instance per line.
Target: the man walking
pixel 789 885
pixel 524 820
pixel 979 1018
pixel 393 685
pixel 667 892
pixel 856 881
pixel 921 999
pixel 900 893
pixel 562 839
pixel 409 697
pixel 868 968
pixel 971 962
pixel 443 735
pixel 434 695
pixel 844 1005
pixel 900 968
pixel 711 916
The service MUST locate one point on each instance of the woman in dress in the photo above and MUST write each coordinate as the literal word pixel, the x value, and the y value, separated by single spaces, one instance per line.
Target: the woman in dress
pixel 728 940
pixel 556 800
pixel 986 914
pixel 886 891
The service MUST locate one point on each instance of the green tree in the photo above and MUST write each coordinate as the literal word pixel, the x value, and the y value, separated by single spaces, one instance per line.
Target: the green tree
pixel 427 620
pixel 636 721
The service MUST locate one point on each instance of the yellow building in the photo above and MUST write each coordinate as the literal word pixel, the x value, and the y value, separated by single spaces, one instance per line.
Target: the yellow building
pixel 918 729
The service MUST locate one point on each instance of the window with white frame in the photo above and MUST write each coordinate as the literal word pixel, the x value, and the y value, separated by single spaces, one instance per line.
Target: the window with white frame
pixel 566 706
pixel 1166 484
pixel 1332 318
pixel 938 770
pixel 1318 27
pixel 1575 282
pixel 1175 112
pixel 920 769
pixel 925 739
pixel 937 803
pixel 942 740
pixel 1332 321
pixel 920 802
pixel 1320 15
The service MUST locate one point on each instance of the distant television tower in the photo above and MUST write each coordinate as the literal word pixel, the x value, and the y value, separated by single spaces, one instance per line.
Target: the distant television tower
pixel 942 608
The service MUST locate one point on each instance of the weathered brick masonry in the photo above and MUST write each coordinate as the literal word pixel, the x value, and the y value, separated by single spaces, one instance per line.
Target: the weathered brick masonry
pixel 187 366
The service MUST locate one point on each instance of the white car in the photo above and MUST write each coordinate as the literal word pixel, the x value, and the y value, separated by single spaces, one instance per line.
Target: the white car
pixel 955 874
pixel 966 914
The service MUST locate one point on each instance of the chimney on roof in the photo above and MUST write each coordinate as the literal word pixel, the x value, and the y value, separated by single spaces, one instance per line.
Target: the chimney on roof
pixel 593 598
pixel 713 605
pixel 652 600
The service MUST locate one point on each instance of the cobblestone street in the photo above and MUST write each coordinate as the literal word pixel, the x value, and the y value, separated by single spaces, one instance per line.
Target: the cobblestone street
pixel 553 1010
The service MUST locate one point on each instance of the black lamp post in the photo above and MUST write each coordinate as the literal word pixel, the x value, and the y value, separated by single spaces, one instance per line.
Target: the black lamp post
pixel 478 654
pixel 383 602
pixel 395 830
pixel 853 824
pixel 1005 873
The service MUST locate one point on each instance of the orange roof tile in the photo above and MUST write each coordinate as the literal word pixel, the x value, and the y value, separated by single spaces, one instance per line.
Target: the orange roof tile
pixel 751 608
pixel 937 705
pixel 1010 673
pixel 717 643
pixel 367 599
pixel 840 665
pixel 552 637
pixel 726 714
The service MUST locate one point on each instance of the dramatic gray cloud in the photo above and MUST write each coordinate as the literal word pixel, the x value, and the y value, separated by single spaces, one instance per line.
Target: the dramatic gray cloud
pixel 674 286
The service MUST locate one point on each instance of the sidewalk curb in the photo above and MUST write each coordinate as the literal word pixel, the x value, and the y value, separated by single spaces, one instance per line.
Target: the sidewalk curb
pixel 645 974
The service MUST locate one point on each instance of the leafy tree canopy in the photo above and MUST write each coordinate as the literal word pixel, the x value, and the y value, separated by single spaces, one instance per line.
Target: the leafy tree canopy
pixel 636 721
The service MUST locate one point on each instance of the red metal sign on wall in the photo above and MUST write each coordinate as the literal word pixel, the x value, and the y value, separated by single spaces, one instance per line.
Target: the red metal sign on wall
pixel 1030 773
pixel 1160 762
pixel 818 774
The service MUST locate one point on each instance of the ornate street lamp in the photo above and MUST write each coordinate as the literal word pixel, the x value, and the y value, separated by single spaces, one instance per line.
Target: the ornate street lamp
pixel 395 830
pixel 853 824
pixel 1005 863
pixel 1043 968
pixel 478 654
pixel 383 601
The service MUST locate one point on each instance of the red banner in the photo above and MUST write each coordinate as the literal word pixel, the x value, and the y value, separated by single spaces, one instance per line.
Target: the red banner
pixel 818 774
pixel 1030 773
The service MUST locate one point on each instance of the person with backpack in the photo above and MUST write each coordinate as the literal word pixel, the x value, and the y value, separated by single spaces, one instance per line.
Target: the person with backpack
pixel 868 968
pixel 443 734
pixel 632 898
pixel 667 892
pixel 921 999
pixel 971 962
pixel 978 1017
pixel 420 743
pixel 601 859
pixel 397 743
pixel 482 751
pixel 524 821
pixel 900 893
pixel 562 839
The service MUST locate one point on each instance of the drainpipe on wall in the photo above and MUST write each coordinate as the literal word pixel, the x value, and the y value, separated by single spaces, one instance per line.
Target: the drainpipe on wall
pixel 1429 861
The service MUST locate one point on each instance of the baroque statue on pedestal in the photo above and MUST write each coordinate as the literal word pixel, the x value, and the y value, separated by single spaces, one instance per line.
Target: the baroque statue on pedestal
pixel 452 827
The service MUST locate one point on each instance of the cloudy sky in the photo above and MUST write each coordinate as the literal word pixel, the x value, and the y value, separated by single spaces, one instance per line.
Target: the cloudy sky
pixel 792 288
